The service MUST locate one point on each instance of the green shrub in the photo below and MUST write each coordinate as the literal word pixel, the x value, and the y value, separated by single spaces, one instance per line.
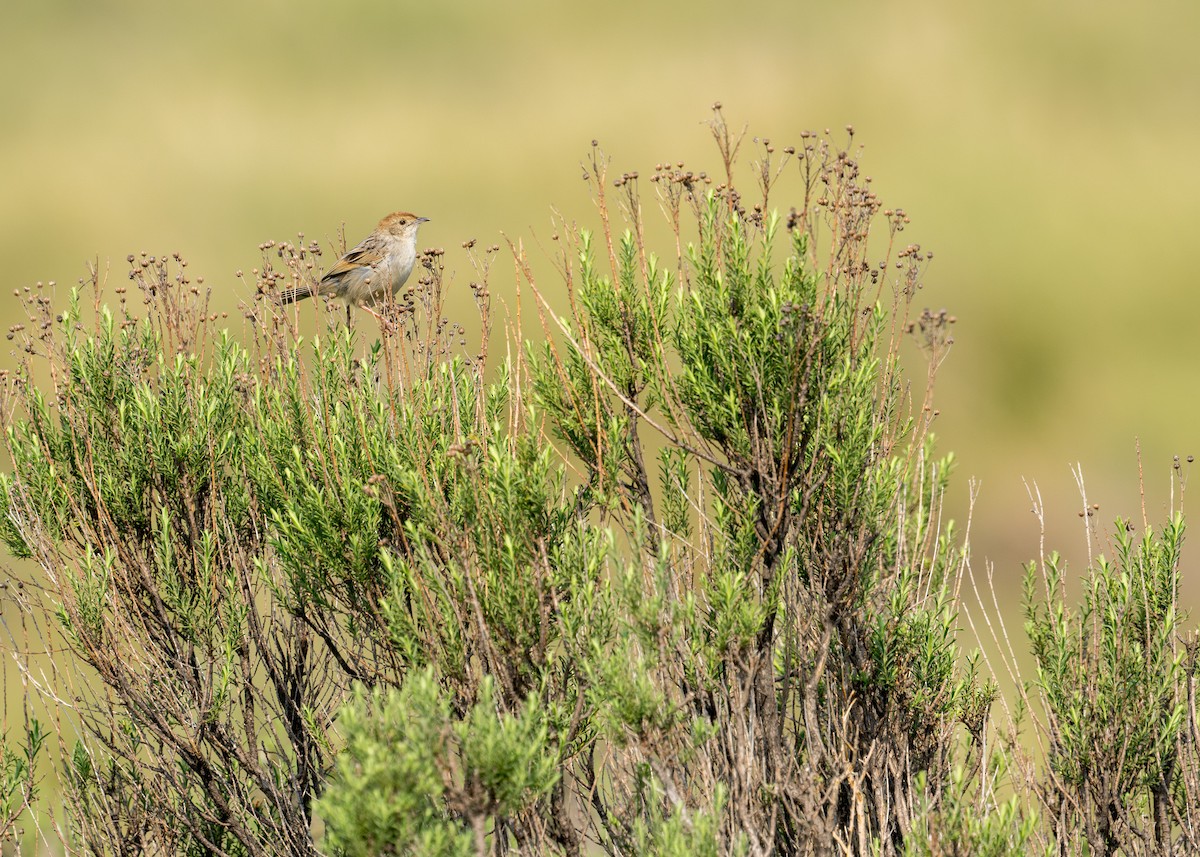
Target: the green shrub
pixel 1115 679
pixel 673 578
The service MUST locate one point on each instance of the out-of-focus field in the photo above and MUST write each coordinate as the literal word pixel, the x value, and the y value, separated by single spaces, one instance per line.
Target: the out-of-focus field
pixel 1046 152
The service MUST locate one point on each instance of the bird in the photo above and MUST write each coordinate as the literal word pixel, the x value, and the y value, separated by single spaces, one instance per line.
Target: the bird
pixel 378 266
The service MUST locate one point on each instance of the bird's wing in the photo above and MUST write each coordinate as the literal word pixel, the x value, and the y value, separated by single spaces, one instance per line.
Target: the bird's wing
pixel 362 256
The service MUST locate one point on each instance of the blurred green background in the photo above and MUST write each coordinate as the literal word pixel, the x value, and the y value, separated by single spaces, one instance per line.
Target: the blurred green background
pixel 1046 152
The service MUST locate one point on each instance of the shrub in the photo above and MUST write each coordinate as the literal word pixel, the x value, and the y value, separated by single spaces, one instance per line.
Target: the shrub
pixel 1115 692
pixel 673 578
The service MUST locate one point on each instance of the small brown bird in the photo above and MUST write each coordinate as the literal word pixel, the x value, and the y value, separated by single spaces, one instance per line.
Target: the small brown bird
pixel 379 265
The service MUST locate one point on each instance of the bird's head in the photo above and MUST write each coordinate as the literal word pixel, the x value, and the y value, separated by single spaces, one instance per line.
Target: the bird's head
pixel 401 223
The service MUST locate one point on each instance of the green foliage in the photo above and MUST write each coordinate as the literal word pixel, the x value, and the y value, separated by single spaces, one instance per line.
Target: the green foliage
pixel 673 579
pixel 557 646
pixel 1112 676
pixel 958 827
pixel 414 778
pixel 19 783
pixel 683 834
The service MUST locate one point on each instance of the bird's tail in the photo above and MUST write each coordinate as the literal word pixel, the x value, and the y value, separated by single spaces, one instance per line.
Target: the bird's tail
pixel 290 296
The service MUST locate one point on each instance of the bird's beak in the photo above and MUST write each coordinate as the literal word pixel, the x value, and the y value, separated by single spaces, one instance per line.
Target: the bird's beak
pixel 422 220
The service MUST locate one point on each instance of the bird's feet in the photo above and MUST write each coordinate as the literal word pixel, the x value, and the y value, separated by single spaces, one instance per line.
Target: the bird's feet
pixel 385 325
